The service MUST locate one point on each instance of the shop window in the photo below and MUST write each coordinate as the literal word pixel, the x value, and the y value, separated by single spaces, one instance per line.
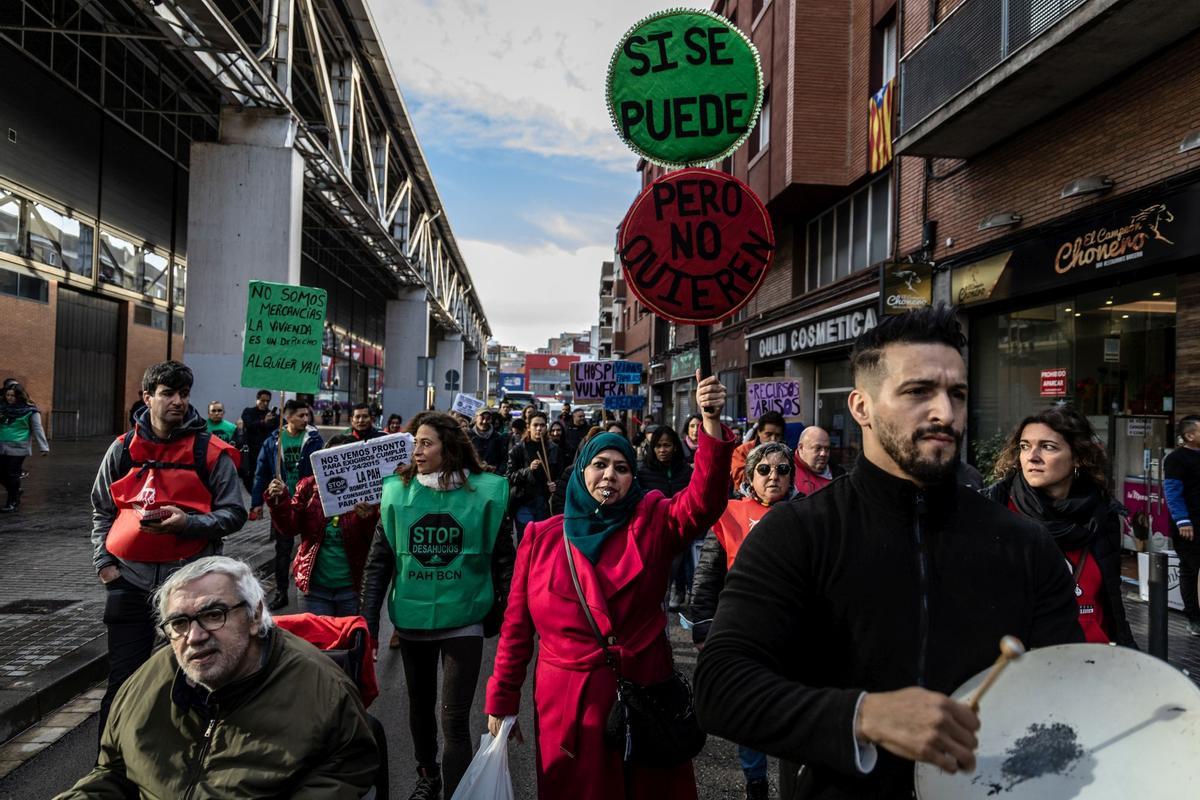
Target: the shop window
pixel 827 249
pixel 119 261
pixel 10 223
pixel 28 287
pixel 858 236
pixel 156 318
pixel 60 241
pixel 842 243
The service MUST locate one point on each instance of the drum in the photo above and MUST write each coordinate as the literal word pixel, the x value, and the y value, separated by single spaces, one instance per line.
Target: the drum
pixel 1081 721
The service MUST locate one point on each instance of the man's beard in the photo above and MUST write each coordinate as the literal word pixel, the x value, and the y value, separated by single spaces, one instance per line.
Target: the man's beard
pixel 905 451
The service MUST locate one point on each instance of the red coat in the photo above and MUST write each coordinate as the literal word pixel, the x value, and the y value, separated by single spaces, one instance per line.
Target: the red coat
pixel 302 514
pixel 573 688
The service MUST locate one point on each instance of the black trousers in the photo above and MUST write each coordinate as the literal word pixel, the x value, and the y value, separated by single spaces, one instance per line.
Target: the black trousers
pixel 283 559
pixel 460 659
pixel 130 623
pixel 10 477
pixel 1189 572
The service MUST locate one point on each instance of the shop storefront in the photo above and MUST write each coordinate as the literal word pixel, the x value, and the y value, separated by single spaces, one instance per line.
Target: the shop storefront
pixel 1086 315
pixel 815 348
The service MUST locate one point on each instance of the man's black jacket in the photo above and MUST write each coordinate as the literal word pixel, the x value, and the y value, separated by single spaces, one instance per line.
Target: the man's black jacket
pixel 491 448
pixel 870 584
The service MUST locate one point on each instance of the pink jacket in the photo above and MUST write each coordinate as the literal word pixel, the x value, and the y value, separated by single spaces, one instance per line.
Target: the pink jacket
pixel 574 689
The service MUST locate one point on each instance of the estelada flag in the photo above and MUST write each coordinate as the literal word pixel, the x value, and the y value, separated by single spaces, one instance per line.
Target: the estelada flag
pixel 880 126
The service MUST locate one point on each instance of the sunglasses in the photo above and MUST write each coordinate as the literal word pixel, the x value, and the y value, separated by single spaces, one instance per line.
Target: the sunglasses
pixel 779 469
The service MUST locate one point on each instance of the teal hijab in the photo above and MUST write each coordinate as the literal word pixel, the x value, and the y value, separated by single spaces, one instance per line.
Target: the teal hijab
pixel 586 522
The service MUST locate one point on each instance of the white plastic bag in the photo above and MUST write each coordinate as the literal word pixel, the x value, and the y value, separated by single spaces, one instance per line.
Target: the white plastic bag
pixel 487 777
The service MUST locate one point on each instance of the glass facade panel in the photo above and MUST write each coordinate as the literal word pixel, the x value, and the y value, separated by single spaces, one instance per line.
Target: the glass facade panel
pixel 10 223
pixel 827 249
pixel 858 239
pixel 119 261
pixel 843 240
pixel 59 241
pixel 154 275
pixel 881 230
pixel 180 284
pixel 814 252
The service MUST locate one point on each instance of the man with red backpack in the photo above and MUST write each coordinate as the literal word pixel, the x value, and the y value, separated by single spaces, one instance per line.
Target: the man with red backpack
pixel 166 494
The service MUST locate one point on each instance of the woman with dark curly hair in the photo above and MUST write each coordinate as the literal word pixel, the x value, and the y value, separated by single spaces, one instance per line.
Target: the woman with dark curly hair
pixel 1054 470
pixel 444 547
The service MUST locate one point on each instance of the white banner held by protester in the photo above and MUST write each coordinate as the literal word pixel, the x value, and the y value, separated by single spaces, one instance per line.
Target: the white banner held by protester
pixel 466 405
pixel 353 473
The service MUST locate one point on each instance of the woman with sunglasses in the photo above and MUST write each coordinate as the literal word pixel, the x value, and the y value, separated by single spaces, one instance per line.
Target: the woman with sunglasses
pixel 769 470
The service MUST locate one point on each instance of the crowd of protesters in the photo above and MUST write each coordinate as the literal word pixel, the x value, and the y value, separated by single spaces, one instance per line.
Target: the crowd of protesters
pixel 570 533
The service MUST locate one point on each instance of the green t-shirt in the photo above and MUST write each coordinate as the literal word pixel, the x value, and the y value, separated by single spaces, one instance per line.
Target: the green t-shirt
pixel 223 430
pixel 332 570
pixel 292 447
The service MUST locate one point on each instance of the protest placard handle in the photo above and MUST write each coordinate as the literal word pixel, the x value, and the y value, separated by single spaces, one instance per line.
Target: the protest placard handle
pixel 279 444
pixel 546 467
pixel 704 342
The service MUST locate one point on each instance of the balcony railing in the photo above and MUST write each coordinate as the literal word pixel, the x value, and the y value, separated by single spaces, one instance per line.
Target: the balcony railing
pixel 976 37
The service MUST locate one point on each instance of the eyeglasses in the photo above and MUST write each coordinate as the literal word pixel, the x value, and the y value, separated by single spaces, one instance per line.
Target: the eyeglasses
pixel 779 469
pixel 210 619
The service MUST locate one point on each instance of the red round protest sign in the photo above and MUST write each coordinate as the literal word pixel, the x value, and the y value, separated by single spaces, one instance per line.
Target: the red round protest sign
pixel 695 246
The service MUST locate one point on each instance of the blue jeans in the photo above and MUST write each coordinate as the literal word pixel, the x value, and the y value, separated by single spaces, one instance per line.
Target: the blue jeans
pixel 754 763
pixel 524 516
pixel 331 602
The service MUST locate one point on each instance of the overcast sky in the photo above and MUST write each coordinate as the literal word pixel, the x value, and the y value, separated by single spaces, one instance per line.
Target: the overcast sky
pixel 507 98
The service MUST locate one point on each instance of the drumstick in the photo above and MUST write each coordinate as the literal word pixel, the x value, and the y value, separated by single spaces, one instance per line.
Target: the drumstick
pixel 1010 650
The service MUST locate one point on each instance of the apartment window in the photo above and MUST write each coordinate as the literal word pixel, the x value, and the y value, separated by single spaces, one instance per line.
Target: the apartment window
pixel 761 136
pixel 887 55
pixel 850 236
pixel 756 6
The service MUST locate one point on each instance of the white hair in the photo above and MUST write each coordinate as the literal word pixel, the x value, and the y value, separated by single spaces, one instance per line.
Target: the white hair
pixel 249 590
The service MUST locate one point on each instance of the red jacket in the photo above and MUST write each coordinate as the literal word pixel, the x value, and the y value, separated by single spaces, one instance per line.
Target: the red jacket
pixel 303 515
pixel 574 689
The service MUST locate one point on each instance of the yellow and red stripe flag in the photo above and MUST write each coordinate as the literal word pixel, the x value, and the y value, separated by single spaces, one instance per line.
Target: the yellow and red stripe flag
pixel 879 144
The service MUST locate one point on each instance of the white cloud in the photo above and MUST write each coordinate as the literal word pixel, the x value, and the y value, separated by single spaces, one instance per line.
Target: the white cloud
pixel 518 74
pixel 531 294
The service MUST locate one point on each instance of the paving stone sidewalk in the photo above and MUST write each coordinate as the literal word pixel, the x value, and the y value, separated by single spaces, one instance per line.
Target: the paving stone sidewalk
pixel 51 605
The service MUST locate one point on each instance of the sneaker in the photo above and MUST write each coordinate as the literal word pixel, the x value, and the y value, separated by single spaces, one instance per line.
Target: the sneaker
pixel 1193 625
pixel 757 789
pixel 278 601
pixel 429 784
pixel 7 509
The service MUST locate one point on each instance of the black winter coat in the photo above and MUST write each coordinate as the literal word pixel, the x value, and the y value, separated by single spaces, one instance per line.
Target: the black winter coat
pixel 667 478
pixel 871 584
pixel 706 586
pixel 1106 550
pixel 492 450
pixel 529 486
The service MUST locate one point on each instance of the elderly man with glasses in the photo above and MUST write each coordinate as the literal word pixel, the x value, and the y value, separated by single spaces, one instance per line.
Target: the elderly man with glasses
pixel 234 707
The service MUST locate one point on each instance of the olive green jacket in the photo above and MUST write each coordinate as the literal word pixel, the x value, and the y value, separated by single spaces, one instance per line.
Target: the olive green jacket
pixel 295 729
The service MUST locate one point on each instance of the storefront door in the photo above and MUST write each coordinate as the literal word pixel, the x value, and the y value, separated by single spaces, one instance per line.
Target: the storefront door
pixel 834 385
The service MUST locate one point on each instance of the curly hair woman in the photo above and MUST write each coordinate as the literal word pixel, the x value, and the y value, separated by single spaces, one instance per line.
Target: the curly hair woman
pixel 1054 470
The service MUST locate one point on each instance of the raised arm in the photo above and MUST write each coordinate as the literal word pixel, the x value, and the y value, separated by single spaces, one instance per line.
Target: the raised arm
pixel 700 504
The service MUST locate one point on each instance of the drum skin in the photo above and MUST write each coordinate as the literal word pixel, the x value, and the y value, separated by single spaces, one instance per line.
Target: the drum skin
pixel 1085 721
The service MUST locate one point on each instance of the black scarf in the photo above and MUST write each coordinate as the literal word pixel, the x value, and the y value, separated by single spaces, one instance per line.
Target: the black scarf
pixel 1073 521
pixel 14 411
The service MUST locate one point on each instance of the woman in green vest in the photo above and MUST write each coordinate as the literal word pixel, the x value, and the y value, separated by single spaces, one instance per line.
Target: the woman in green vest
pixel 19 422
pixel 442 560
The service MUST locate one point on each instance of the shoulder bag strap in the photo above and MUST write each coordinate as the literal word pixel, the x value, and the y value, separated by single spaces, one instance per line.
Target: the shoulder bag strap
pixel 587 612
pixel 1077 572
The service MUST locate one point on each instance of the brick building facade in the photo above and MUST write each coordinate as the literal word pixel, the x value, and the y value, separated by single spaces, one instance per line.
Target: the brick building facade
pixel 1065 215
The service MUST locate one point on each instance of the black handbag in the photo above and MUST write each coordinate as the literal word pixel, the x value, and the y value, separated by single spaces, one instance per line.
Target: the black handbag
pixel 651 726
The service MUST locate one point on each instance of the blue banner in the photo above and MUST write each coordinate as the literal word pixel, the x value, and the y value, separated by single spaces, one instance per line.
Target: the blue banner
pixel 512 381
pixel 627 372
pixel 625 402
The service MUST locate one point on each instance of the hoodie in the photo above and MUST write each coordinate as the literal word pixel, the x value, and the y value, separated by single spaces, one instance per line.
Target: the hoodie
pixel 227 515
pixel 264 470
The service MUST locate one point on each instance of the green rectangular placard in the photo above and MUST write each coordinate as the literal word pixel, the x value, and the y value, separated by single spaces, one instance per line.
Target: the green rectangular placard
pixel 281 346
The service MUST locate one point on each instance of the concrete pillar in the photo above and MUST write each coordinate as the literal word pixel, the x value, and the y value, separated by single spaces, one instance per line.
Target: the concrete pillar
pixel 470 379
pixel 447 370
pixel 405 342
pixel 244 215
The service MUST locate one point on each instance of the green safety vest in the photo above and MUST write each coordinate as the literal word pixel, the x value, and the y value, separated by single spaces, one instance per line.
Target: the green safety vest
pixel 17 431
pixel 443 543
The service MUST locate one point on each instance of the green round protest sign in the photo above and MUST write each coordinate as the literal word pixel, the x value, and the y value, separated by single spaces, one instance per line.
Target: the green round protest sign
pixel 684 88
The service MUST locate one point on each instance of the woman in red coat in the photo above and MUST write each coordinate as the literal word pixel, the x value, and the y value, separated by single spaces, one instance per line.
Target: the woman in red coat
pixel 623 542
